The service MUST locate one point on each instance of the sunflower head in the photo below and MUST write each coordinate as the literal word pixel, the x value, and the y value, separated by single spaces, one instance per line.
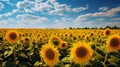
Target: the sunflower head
pixel 91 34
pixel 71 35
pixel 63 45
pixel 12 36
pixel 49 54
pixel 79 36
pixel 26 39
pixel 55 40
pixel 80 53
pixel 107 32
pixel 66 35
pixel 113 43
pixel 40 38
pixel 87 37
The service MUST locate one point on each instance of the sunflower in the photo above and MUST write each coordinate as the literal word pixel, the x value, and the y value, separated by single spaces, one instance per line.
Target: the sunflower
pixel 113 43
pixel 54 40
pixel 107 32
pixel 63 45
pixel 91 34
pixel 66 35
pixel 12 36
pixel 26 39
pixel 49 54
pixel 87 37
pixel 81 53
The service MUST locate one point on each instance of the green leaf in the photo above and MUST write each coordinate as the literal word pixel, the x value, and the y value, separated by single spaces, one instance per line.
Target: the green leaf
pixel 7 53
pixel 37 63
pixel 113 60
pixel 23 55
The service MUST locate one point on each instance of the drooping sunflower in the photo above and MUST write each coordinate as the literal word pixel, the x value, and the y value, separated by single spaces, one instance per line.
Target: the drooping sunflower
pixel 54 40
pixel 81 53
pixel 113 43
pixel 63 45
pixel 49 54
pixel 87 37
pixel 12 36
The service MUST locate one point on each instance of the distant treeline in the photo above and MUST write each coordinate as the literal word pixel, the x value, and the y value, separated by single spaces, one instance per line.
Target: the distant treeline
pixel 110 27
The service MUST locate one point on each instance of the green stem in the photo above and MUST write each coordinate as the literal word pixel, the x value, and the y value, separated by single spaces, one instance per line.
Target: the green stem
pixel 81 65
pixel 105 60
pixel 14 50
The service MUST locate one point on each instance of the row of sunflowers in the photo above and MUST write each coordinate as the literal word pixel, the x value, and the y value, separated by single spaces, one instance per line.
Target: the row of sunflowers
pixel 59 48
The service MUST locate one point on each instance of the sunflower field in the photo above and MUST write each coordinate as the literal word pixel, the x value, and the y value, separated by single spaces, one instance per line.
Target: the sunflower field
pixel 59 48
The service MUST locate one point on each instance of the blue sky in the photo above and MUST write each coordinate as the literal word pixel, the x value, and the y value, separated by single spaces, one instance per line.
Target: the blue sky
pixel 59 13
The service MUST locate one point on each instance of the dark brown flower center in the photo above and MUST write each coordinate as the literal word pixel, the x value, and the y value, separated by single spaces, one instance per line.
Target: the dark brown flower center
pixel 71 35
pixel 81 52
pixel 79 36
pixel 107 32
pixel 63 44
pixel 13 35
pixel 91 34
pixel 114 42
pixel 65 35
pixel 50 54
pixel 26 39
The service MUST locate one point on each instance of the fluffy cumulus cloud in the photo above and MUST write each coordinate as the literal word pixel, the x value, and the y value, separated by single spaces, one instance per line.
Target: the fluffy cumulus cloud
pixel 24 20
pixel 103 8
pixel 80 9
pixel 42 6
pixel 63 22
pixel 25 5
pixel 1 6
pixel 51 7
pixel 31 19
pixel 98 17
pixel 60 8
pixel 6 22
pixel 9 13
pixel 109 13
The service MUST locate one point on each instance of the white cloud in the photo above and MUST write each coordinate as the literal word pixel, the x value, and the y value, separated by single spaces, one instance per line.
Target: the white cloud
pixel 116 19
pixel 31 19
pixel 26 5
pixel 24 20
pixel 9 13
pixel 1 6
pixel 60 8
pixel 41 6
pixel 109 13
pixel 15 11
pixel 51 7
pixel 100 19
pixel 5 15
pixel 6 22
pixel 3 23
pixel 80 9
pixel 103 8
pixel 62 22
pixel 110 24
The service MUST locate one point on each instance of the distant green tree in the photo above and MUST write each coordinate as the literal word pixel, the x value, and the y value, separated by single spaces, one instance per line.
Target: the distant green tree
pixel 70 28
pixel 108 27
